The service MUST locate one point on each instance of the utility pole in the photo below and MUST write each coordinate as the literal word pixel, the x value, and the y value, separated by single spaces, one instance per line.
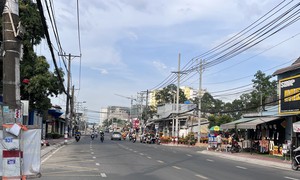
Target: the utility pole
pixel 11 90
pixel 177 100
pixel 200 96
pixel 67 116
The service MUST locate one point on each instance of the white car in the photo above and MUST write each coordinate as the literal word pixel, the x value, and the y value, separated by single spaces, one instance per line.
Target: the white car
pixel 116 136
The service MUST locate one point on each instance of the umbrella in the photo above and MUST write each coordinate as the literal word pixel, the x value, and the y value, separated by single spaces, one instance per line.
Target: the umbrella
pixel 215 128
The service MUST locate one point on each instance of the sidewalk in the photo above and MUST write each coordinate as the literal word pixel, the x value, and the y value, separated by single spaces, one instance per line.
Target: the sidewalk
pixel 54 144
pixel 259 159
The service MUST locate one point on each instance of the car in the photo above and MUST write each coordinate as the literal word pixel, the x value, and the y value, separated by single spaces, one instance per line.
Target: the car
pixel 116 136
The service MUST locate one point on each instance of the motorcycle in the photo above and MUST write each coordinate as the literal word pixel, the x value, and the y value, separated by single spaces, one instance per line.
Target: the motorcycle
pixel 158 141
pixel 296 159
pixel 92 136
pixel 235 147
pixel 102 138
pixel 133 138
pixel 77 137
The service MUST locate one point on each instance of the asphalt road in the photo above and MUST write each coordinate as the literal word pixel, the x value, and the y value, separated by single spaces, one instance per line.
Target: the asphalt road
pixel 125 160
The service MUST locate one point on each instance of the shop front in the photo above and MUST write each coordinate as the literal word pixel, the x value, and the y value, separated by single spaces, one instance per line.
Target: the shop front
pixel 264 135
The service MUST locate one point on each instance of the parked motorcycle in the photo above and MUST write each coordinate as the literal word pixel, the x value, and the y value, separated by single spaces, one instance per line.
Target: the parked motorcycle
pixel 296 159
pixel 235 147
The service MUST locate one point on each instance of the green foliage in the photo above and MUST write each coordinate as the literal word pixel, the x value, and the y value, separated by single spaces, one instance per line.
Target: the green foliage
pixel 168 94
pixel 42 82
pixel 217 120
pixel 31 20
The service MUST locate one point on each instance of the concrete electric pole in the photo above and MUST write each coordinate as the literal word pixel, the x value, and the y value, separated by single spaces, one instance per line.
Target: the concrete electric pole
pixel 200 97
pixel 67 114
pixel 11 91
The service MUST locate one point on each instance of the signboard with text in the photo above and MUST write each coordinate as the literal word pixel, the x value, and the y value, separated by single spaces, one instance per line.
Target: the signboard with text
pixel 289 95
pixel 136 123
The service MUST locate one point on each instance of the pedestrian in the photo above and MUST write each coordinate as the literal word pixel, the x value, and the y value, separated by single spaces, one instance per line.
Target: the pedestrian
pixel 219 142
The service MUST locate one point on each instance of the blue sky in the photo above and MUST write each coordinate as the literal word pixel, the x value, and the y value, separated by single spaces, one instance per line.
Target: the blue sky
pixel 131 46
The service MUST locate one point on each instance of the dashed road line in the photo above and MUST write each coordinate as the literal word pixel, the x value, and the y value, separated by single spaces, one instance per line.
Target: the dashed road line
pixel 135 151
pixel 149 157
pixel 103 175
pixel 160 161
pixel 94 157
pixel 240 167
pixel 176 167
pixel 141 154
pixel 200 176
pixel 210 160
pixel 189 155
pixel 286 177
pixel 97 164
pixel 92 152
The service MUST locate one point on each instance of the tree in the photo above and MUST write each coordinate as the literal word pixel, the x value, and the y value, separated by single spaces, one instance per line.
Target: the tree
pixel 167 94
pixel 37 82
pixel 264 89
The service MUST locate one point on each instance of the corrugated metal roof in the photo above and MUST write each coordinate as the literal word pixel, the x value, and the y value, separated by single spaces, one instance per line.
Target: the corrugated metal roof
pixel 294 66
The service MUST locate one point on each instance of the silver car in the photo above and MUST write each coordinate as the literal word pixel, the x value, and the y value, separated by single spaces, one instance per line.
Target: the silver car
pixel 116 136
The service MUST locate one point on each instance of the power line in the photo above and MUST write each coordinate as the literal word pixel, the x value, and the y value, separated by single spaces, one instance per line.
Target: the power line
pixel 40 7
pixel 268 30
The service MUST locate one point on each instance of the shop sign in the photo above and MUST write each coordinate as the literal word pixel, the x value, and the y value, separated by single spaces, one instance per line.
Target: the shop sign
pixel 289 95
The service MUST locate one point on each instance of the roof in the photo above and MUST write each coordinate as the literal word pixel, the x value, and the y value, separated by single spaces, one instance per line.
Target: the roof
pixel 231 125
pixel 294 66
pixel 254 123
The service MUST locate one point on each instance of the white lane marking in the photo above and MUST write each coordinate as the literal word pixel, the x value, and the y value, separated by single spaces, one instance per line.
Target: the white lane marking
pixel 52 154
pixel 92 152
pixel 189 155
pixel 94 157
pixel 97 164
pixel 160 161
pixel 240 167
pixel 103 175
pixel 200 176
pixel 135 151
pixel 286 177
pixel 210 160
pixel 149 157
pixel 141 154
pixel 176 167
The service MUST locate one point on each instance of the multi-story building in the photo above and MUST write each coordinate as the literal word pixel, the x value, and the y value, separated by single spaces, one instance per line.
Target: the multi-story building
pixel 118 112
pixel 189 92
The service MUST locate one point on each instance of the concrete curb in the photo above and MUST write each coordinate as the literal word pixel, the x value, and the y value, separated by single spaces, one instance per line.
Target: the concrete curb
pixel 279 165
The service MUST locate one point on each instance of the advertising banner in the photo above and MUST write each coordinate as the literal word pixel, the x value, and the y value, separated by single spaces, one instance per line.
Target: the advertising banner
pixel 136 123
pixel 289 92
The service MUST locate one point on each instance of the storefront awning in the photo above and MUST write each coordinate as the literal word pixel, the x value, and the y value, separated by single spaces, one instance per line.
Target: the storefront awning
pixel 232 124
pixel 254 123
pixel 296 126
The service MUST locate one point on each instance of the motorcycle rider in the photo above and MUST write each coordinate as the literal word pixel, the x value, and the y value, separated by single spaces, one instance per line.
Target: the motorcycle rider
pixel 134 137
pixel 92 135
pixel 101 135
pixel 77 135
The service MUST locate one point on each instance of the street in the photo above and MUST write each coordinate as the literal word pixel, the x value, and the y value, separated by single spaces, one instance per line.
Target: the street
pixel 90 160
